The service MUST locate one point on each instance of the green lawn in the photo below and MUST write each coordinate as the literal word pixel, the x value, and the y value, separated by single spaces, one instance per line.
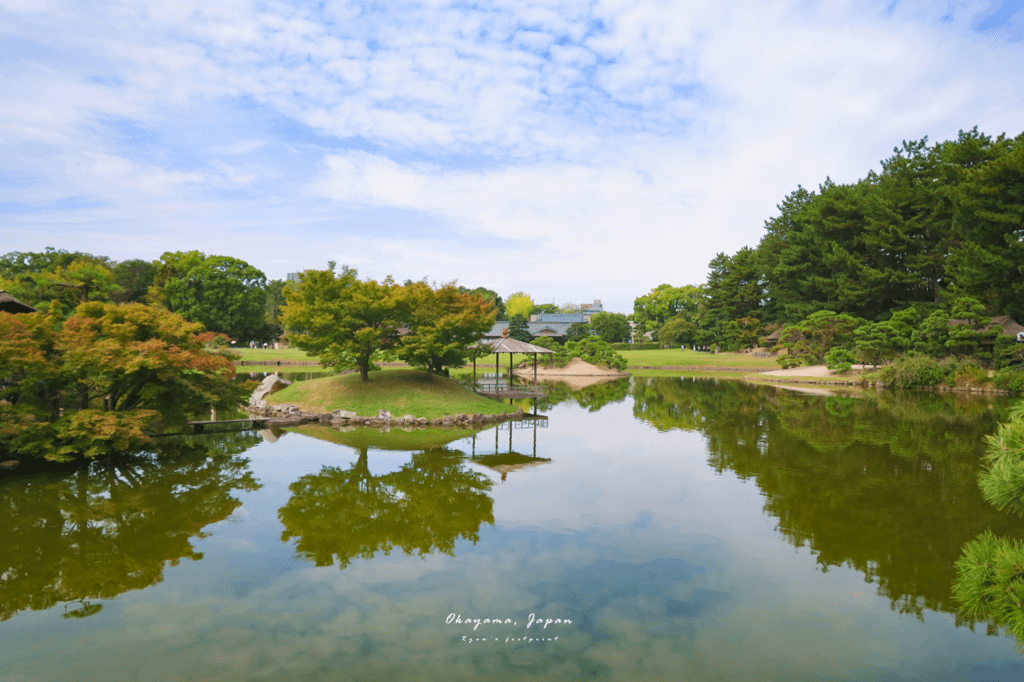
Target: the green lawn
pixel 399 391
pixel 688 358
pixel 271 356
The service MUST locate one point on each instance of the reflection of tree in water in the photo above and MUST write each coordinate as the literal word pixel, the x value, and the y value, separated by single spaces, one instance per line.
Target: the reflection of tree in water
pixel 885 484
pixel 591 397
pixel 339 514
pixel 113 525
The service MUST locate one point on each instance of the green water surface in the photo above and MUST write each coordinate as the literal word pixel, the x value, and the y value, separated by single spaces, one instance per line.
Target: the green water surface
pixel 669 529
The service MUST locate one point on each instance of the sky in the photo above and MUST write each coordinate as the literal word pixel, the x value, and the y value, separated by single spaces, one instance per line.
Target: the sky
pixel 574 150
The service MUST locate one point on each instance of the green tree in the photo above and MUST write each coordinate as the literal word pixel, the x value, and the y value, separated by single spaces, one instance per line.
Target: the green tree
pixel 651 311
pixel 967 328
pixel 519 329
pixel 678 331
pixel 135 277
pixel 444 326
pixel 343 320
pixel 816 335
pixel 577 331
pixel 612 327
pixel 491 297
pixel 223 294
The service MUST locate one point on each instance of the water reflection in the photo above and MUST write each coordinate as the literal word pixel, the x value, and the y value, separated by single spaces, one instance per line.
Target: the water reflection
pixel 337 515
pixel 113 525
pixel 885 484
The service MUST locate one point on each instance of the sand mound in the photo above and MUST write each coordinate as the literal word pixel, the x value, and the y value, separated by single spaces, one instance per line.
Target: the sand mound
pixel 574 368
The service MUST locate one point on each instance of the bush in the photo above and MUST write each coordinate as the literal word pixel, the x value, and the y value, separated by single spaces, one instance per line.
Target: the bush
pixel 591 349
pixel 1010 378
pixel 912 371
pixel 963 372
pixel 635 346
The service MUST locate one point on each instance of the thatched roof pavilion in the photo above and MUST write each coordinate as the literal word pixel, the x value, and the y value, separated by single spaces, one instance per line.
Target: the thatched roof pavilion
pixel 9 304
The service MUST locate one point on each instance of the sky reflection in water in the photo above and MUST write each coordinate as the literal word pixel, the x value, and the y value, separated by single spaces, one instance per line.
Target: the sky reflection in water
pixel 690 530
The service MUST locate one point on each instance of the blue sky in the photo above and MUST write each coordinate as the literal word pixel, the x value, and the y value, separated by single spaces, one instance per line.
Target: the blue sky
pixel 573 150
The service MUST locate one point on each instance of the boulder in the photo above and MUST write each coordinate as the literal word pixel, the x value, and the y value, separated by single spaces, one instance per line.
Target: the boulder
pixel 270 384
pixel 385 415
pixel 422 421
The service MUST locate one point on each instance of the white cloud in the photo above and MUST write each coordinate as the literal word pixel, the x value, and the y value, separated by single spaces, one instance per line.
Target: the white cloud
pixel 630 138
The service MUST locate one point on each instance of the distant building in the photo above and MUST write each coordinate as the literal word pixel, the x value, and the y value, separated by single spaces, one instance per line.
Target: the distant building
pixel 550 324
pixel 9 304
pixel 292 277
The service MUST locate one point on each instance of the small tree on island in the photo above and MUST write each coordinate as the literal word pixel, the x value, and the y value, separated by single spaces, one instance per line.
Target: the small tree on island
pixel 343 320
pixel 444 326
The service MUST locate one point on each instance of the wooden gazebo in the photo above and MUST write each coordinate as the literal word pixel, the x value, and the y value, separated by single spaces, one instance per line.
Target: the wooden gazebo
pixel 510 346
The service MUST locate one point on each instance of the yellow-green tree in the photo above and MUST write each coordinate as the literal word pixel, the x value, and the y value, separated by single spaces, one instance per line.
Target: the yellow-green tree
pixel 444 325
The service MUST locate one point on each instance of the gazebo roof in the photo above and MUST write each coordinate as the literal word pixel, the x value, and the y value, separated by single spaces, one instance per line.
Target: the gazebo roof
pixel 510 345
pixel 9 304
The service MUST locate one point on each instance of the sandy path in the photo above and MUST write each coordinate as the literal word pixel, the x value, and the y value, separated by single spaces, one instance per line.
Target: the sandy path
pixel 807 371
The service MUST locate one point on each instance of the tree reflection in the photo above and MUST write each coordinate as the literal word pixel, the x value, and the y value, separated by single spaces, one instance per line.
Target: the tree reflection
pixel 113 525
pixel 339 514
pixel 885 484
pixel 593 397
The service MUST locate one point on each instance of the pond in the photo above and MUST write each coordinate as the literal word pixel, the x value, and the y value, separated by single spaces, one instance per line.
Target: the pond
pixel 648 529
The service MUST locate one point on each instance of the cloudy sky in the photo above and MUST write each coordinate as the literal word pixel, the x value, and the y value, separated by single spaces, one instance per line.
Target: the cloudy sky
pixel 575 149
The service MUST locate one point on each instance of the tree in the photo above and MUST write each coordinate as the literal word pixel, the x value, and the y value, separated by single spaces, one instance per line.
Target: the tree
pixel 223 294
pixel 444 326
pixel 577 331
pixel 612 327
pixel 342 320
pixel 651 311
pixel 90 385
pixel 967 327
pixel 519 329
pixel 491 297
pixel 678 331
pixel 518 304
pixel 134 277
pixel 816 335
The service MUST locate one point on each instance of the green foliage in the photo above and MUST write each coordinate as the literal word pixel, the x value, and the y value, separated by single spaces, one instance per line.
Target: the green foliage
pixel 591 349
pixel 839 360
pixel 966 330
pixel 636 346
pixel 577 331
pixel 912 371
pixel 223 294
pixel 134 277
pixel 519 329
pixel 1010 379
pixel 990 582
pixel 612 327
pixel 343 320
pixel 653 310
pixel 963 372
pixel 444 326
pixel 678 331
pixel 816 335
pixel 90 385
pixel 491 297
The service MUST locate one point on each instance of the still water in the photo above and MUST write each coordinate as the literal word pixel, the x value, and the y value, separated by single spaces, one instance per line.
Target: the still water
pixel 649 529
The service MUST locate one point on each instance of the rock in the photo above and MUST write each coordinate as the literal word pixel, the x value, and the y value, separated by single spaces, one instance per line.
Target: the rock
pixel 270 384
pixel 477 418
pixel 409 419
pixel 343 414
pixel 10 464
pixel 385 415
pixel 422 421
pixel 268 435
pixel 447 419
pixel 436 421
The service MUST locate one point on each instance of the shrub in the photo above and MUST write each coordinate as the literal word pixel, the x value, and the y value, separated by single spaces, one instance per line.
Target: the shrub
pixel 912 371
pixel 635 346
pixel 591 349
pixel 1010 378
pixel 963 372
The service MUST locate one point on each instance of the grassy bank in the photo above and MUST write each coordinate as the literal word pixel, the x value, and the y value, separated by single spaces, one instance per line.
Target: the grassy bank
pixel 729 362
pixel 271 356
pixel 400 391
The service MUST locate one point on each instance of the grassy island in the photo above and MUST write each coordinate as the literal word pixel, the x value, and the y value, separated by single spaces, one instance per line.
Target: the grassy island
pixel 399 391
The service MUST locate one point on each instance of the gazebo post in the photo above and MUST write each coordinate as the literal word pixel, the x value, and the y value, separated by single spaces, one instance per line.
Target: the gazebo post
pixel 510 369
pixel 534 369
pixel 497 365
pixel 474 371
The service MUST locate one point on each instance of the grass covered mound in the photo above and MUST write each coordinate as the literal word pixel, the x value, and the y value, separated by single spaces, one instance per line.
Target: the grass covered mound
pixel 400 392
